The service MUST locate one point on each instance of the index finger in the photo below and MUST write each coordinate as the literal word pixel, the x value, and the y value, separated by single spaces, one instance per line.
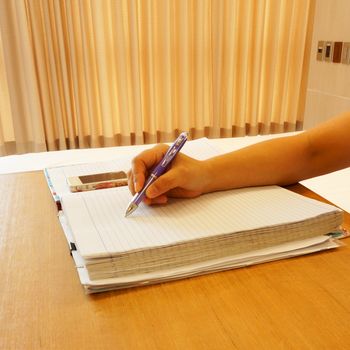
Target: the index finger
pixel 144 162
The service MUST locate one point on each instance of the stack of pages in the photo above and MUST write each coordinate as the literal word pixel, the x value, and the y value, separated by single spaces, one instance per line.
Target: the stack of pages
pixel 188 237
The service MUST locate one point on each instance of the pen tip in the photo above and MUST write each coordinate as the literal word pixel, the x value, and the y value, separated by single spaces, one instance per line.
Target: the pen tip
pixel 131 208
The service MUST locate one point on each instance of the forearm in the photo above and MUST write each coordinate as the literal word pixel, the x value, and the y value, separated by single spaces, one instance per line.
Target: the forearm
pixel 278 161
pixel 284 160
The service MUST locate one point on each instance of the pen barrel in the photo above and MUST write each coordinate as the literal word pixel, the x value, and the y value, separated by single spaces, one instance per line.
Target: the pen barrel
pixel 161 167
pixel 169 156
pixel 140 195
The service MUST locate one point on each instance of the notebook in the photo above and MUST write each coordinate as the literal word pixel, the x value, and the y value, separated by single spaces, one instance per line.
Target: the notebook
pixel 186 237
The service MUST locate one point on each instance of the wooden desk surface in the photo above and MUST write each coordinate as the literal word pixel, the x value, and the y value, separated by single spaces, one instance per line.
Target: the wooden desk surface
pixel 300 303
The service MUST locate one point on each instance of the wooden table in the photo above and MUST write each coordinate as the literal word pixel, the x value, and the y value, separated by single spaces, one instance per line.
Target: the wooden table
pixel 300 303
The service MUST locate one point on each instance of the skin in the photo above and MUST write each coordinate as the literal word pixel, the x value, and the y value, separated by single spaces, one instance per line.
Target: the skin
pixel 281 161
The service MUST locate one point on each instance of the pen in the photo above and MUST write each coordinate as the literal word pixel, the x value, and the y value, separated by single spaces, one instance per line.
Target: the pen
pixel 157 171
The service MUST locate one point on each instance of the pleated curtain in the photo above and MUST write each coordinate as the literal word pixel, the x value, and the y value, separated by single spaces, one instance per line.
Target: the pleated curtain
pixel 94 73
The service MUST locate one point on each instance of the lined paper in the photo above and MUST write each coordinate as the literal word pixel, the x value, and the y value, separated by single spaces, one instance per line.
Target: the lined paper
pixel 100 229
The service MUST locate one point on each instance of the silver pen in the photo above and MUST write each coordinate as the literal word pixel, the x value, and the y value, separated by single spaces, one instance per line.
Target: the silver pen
pixel 157 171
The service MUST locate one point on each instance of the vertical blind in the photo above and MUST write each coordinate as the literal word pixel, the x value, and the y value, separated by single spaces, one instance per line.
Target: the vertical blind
pixel 89 73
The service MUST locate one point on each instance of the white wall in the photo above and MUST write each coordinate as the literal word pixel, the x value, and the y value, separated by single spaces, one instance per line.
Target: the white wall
pixel 328 90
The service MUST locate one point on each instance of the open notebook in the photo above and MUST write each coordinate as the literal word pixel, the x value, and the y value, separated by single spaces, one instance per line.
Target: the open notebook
pixel 186 237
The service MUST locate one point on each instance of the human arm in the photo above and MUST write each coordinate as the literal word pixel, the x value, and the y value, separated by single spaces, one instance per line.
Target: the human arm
pixel 281 161
pixel 285 160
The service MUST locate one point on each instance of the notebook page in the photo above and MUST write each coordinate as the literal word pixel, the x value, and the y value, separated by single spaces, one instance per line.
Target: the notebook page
pixel 100 229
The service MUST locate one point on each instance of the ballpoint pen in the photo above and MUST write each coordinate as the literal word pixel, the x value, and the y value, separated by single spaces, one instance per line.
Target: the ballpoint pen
pixel 157 171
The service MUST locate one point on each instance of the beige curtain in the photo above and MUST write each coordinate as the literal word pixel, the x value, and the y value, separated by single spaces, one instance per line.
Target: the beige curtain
pixel 91 73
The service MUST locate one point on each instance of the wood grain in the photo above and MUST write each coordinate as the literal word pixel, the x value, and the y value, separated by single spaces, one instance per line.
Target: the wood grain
pixel 300 303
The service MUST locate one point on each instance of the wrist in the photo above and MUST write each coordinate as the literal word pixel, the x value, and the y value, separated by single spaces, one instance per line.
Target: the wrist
pixel 210 177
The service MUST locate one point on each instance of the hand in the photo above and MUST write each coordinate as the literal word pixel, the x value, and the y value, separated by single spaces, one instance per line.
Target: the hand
pixel 185 178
